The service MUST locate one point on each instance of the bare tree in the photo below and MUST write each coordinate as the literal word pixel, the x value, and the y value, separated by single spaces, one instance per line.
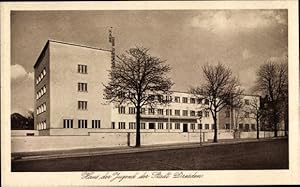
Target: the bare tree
pixel 139 79
pixel 272 80
pixel 256 112
pixel 221 88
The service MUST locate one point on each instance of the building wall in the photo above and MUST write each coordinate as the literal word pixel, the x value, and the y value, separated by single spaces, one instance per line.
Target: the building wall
pixel 64 60
pixel 42 64
pixel 165 119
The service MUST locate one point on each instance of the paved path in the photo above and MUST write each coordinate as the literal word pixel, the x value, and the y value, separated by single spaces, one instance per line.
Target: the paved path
pixel 271 154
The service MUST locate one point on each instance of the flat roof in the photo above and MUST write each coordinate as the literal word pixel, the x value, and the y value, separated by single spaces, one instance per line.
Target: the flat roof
pixel 65 43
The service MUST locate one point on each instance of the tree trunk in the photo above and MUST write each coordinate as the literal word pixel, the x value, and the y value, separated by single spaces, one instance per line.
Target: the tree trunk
pixel 257 128
pixel 275 117
pixel 215 130
pixel 138 127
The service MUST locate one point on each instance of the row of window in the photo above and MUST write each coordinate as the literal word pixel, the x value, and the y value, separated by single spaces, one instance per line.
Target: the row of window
pixel 160 125
pixel 246 114
pixel 41 125
pixel 41 92
pixel 41 76
pixel 152 111
pixel 82 123
pixel 41 108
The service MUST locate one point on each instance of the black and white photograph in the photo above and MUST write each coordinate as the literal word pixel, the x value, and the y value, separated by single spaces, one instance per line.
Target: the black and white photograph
pixel 121 95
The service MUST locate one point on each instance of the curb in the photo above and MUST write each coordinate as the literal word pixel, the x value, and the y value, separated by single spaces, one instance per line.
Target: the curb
pixel 20 158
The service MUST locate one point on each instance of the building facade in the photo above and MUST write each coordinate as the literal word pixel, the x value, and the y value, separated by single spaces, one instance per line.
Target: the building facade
pixel 69 100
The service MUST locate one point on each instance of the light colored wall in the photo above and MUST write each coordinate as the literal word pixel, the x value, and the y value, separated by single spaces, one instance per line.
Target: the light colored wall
pixel 47 143
pixel 117 139
pixel 64 60
pixel 23 132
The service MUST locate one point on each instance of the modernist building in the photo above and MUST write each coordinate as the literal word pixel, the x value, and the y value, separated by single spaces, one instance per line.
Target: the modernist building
pixel 69 88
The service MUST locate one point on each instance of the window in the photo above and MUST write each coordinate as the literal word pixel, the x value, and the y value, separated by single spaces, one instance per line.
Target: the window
pixel 227 126
pixel 206 126
pixel 41 92
pixel 42 125
pixel 131 110
pixel 246 101
pixel 151 111
pixel 199 126
pixel 185 113
pixel 192 100
pixel 151 125
pixel 41 76
pixel 113 125
pixel 192 113
pixel 177 125
pixel 121 125
pixel 199 113
pixel 42 108
pixel 184 99
pixel 160 111
pixel 177 112
pixel 82 69
pixel 169 125
pixel 177 99
pixel 96 123
pixel 143 126
pixel 82 87
pixel 241 126
pixel 143 111
pixel 199 101
pixel 121 109
pixel 227 114
pixel 253 127
pixel 247 128
pixel 206 114
pixel 169 112
pixel 82 105
pixel 160 125
pixel 192 126
pixel 131 125
pixel 212 126
pixel 68 123
pixel 246 114
pixel 82 123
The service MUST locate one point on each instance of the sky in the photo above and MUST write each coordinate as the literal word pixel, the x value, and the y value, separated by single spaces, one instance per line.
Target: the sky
pixel 186 39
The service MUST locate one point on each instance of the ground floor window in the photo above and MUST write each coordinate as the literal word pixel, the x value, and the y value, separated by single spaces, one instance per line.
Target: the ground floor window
pixel 177 125
pixel 200 126
pixel 227 126
pixel 82 123
pixel 143 125
pixel 113 125
pixel 131 125
pixel 206 126
pixel 192 126
pixel 68 123
pixel 151 125
pixel 241 126
pixel 253 127
pixel 160 125
pixel 247 128
pixel 169 125
pixel 121 125
pixel 96 123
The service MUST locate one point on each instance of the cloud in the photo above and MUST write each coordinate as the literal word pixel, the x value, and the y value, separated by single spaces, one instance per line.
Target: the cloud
pixel 246 54
pixel 18 71
pixel 229 21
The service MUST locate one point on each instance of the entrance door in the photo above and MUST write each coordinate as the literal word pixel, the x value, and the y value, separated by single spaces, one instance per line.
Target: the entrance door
pixel 185 127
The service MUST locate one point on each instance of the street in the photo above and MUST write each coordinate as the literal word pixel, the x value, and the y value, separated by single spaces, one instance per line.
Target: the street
pixel 252 155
